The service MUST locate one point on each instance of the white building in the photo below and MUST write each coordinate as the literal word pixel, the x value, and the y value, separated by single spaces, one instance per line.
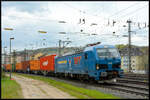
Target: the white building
pixel 135 54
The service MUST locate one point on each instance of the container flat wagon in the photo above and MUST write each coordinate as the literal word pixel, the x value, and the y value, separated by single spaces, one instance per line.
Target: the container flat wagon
pixel 35 66
pixel 47 64
pixel 7 67
pixel 19 67
pixel 25 66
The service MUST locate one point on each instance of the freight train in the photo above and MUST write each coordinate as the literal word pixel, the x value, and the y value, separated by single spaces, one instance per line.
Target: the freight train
pixel 95 63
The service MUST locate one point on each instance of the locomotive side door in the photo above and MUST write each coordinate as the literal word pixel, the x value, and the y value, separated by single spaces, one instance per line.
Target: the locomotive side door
pixel 70 61
pixel 89 61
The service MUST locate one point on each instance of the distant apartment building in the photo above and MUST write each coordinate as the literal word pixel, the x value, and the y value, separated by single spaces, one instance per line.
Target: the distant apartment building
pixel 136 55
pixel 2 59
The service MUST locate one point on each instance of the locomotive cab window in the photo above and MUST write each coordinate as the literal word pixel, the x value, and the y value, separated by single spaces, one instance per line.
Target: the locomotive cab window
pixel 86 55
pixel 107 52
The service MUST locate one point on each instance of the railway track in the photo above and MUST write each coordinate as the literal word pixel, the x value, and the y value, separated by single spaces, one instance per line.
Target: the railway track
pixel 138 76
pixel 133 86
pixel 143 93
pixel 132 81
pixel 132 89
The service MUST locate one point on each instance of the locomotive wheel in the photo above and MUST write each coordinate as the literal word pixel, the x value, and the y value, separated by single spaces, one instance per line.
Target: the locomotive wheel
pixel 81 79
pixel 91 80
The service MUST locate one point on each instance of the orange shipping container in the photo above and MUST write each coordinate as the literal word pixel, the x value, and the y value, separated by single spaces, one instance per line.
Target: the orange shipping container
pixel 18 66
pixel 34 65
pixel 7 66
pixel 25 65
pixel 47 63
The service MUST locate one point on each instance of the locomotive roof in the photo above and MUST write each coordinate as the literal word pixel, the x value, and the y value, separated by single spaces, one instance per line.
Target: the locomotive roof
pixel 98 46
pixel 90 48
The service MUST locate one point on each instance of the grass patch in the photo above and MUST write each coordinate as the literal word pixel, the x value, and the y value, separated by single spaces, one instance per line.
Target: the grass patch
pixel 10 89
pixel 75 91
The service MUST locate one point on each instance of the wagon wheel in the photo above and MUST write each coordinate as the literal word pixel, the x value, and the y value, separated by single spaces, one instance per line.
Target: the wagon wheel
pixel 44 73
pixel 28 70
pixel 35 72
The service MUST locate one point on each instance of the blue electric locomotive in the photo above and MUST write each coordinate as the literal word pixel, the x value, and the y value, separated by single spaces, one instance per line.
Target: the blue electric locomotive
pixel 98 62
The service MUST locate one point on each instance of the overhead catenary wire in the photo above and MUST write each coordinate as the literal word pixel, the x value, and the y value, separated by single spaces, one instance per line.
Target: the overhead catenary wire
pixel 135 11
pixel 73 7
pixel 122 10
pixel 111 15
pixel 104 28
pixel 85 12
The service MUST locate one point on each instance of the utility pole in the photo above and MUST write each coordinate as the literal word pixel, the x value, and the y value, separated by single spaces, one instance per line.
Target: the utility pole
pixel 24 54
pixel 129 46
pixel 59 49
pixel 67 42
pixel 60 41
pixel 14 58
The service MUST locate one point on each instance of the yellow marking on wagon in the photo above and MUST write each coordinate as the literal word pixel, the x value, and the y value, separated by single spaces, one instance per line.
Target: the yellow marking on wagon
pixel 61 62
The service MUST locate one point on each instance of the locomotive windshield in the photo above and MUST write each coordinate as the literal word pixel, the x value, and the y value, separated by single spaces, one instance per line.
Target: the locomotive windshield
pixel 107 52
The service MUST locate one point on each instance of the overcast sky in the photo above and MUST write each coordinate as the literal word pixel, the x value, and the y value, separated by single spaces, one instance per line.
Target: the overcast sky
pixel 27 18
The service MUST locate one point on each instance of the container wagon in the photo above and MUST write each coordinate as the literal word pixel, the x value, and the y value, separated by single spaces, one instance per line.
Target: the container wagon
pixel 7 67
pixel 47 64
pixel 19 67
pixel 25 66
pixel 34 66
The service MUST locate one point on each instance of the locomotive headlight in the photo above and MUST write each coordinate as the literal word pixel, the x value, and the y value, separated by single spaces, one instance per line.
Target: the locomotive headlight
pixel 97 67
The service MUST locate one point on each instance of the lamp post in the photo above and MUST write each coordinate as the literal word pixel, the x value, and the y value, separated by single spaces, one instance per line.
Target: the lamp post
pixel 10 29
pixel 61 22
pixel 10 57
